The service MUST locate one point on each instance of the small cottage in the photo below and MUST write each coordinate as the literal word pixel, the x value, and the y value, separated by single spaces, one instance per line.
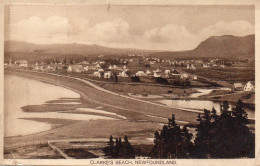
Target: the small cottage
pixel 250 86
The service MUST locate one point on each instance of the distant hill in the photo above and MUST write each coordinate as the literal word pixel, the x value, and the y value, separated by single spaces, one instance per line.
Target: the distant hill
pixel 80 49
pixel 226 46
pixel 214 47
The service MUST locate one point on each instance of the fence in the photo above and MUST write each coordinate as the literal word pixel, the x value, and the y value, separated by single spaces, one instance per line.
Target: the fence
pixel 30 143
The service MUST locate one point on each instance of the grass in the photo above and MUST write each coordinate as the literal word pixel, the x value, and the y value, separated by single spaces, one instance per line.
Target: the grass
pixel 93 129
pixel 79 153
pixel 228 74
pixel 32 152
pixel 146 89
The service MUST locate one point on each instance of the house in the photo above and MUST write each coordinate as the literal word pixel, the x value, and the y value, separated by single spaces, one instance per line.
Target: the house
pixel 237 87
pixel 75 68
pixel 148 72
pixel 157 74
pixel 205 65
pixel 141 73
pixel 123 74
pixel 108 74
pixel 110 67
pixel 157 70
pixel 114 67
pixel 250 86
pixel 101 70
pixel 167 72
pixel 184 76
pixel 86 68
pixel 21 63
pixel 98 65
pixel 98 74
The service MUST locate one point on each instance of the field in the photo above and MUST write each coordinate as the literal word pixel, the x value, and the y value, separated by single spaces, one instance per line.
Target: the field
pixel 228 74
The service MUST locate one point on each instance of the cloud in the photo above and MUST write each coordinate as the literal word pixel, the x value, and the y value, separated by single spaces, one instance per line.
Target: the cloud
pixel 236 28
pixel 38 30
pixel 172 35
pixel 116 33
pixel 178 37
pixel 57 29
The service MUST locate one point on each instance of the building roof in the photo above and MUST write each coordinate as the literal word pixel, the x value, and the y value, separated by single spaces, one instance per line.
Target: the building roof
pixel 76 66
pixel 252 82
pixel 20 61
pixel 237 85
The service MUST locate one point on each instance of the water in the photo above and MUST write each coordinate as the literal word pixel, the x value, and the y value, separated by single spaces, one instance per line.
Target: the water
pixel 19 92
pixel 204 92
pixel 199 105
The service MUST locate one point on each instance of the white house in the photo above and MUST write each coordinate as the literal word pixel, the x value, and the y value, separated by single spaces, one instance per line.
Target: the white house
pixel 250 86
pixel 148 72
pixel 97 74
pixel 107 74
pixel 157 74
pixel 141 73
pixel 157 70
pixel 21 63
pixel 86 68
pixel 205 65
pixel 101 70
pixel 98 65
pixel 110 67
pixel 114 67
pixel 184 76
pixel 237 87
pixel 167 72
pixel 75 68
pixel 123 74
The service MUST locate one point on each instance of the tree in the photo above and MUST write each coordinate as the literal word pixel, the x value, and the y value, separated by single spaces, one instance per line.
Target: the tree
pixel 116 77
pixel 225 135
pixel 128 150
pixel 109 150
pixel 119 149
pixel 202 146
pixel 172 141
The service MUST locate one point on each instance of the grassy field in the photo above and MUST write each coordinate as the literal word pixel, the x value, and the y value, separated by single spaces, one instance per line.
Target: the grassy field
pixel 228 74
pixel 146 89
pixel 32 152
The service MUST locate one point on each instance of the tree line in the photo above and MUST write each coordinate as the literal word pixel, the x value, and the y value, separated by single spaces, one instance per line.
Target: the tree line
pixel 224 135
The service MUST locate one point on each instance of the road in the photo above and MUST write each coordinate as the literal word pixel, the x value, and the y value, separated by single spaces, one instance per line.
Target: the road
pixel 132 108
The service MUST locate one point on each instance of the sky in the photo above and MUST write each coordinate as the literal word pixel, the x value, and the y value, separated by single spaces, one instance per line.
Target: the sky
pixel 172 28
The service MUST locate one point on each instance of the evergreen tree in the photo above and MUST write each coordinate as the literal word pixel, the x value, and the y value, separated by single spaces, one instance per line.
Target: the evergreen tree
pixel 225 135
pixel 202 144
pixel 119 149
pixel 128 150
pixel 109 150
pixel 116 77
pixel 172 141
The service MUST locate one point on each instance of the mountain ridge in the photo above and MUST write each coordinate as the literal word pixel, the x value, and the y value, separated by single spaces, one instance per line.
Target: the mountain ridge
pixel 226 46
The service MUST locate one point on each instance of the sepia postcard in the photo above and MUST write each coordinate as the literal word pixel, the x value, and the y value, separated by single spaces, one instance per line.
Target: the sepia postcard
pixel 114 82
